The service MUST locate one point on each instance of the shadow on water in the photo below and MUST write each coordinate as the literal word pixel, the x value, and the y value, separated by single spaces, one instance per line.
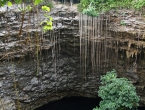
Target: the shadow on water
pixel 74 103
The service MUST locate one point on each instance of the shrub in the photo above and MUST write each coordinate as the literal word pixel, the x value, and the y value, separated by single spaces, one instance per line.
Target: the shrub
pixel 91 11
pixel 117 93
pixel 106 5
pixel 47 3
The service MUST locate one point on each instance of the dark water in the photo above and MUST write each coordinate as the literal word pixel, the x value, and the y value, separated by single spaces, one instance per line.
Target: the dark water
pixel 74 103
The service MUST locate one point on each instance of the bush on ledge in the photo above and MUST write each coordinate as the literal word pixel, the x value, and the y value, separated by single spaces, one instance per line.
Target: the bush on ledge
pixel 117 93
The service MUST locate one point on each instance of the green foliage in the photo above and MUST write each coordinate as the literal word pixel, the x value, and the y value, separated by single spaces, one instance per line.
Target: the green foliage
pixel 105 5
pixel 18 1
pixel 91 11
pixel 122 23
pixel 139 4
pixel 3 2
pixel 36 2
pixel 83 4
pixel 117 93
pixel 9 3
pixel 24 9
pixel 47 3
pixel 48 23
pixel 45 8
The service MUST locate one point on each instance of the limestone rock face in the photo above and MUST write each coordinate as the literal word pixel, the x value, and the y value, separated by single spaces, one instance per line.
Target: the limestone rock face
pixel 7 104
pixel 29 79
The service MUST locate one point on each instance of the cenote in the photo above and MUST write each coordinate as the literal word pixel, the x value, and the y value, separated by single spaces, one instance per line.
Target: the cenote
pixel 38 69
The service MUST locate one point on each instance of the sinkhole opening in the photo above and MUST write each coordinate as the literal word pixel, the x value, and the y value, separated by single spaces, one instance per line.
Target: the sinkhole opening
pixel 74 103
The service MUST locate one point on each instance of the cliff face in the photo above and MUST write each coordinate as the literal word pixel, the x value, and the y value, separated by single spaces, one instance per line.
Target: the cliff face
pixel 67 65
pixel 116 41
pixel 127 28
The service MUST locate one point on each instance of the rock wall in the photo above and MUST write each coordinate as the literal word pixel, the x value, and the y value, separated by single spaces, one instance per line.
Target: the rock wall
pixel 127 30
pixel 28 81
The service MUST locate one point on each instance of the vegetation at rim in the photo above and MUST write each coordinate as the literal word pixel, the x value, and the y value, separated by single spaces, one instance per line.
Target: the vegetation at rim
pixel 100 6
pixel 117 93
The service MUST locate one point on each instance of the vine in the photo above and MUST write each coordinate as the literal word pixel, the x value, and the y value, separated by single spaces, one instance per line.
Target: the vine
pixel 46 25
pixel 48 22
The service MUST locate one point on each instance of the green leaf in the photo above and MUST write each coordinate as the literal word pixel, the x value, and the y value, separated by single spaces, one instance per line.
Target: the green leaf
pixel 50 18
pixel 49 23
pixel 36 2
pixel 45 8
pixel 28 8
pixel 9 3
pixel 18 1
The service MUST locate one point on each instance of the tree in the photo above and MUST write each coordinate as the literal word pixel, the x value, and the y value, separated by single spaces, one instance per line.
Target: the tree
pixel 117 93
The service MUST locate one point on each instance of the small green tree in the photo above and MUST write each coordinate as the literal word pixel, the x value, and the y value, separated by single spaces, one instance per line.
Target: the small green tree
pixel 117 93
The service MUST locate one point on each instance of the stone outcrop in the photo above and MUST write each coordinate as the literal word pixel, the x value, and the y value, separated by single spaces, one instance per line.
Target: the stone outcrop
pixel 127 28
pixel 28 80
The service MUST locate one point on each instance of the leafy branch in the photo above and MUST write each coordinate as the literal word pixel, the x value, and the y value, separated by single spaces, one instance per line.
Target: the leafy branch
pixel 47 24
